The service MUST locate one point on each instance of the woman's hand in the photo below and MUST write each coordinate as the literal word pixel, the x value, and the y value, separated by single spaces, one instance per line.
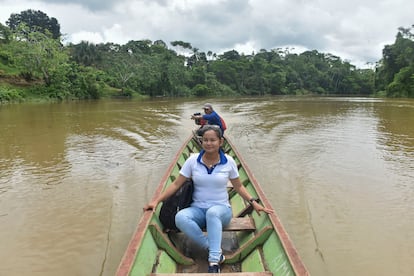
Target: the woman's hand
pixel 259 208
pixel 166 194
pixel 150 206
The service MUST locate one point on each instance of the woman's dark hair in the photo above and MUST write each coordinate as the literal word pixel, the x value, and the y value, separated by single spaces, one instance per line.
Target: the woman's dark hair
pixel 216 129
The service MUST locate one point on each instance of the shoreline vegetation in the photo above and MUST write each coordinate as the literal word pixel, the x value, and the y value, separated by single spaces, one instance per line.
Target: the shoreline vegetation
pixel 35 65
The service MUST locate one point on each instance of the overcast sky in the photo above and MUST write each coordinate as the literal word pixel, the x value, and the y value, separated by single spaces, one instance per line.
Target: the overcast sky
pixel 355 30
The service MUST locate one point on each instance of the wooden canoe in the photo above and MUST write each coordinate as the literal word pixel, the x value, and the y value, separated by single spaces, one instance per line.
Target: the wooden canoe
pixel 253 245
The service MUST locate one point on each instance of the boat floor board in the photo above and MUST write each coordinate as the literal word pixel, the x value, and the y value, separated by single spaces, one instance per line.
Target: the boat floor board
pixel 200 256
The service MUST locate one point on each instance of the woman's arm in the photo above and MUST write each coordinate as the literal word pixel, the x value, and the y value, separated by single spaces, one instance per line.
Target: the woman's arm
pixel 178 182
pixel 238 186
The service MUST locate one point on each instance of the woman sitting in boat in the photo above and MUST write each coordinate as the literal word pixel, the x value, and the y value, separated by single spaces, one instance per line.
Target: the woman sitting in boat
pixel 211 117
pixel 210 171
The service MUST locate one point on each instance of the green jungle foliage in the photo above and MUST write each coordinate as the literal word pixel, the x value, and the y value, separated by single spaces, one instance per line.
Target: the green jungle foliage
pixel 395 72
pixel 35 64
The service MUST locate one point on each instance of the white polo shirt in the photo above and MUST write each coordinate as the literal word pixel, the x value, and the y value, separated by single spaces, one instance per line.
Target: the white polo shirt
pixel 210 185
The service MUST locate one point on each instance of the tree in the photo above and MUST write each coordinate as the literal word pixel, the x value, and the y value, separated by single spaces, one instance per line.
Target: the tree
pixel 183 44
pixel 160 43
pixel 5 34
pixel 230 55
pixel 138 46
pixel 183 48
pixel 396 67
pixel 85 53
pixel 36 21
pixel 403 84
pixel 39 55
pixel 124 69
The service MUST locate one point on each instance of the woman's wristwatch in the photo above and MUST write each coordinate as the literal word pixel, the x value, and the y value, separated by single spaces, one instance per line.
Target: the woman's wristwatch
pixel 253 200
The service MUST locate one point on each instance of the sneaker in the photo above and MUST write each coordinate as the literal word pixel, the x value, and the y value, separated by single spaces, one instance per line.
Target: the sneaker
pixel 222 259
pixel 214 268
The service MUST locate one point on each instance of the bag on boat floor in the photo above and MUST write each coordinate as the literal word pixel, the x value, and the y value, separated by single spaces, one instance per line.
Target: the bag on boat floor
pixel 180 200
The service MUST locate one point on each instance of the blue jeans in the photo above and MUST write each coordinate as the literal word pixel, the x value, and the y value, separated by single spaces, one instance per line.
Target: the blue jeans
pixel 192 219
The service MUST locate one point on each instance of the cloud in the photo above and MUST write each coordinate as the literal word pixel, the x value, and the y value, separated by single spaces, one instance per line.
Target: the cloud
pixel 94 37
pixel 93 5
pixel 353 30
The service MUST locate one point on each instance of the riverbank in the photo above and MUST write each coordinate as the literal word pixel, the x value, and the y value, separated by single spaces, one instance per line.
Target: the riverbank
pixel 16 89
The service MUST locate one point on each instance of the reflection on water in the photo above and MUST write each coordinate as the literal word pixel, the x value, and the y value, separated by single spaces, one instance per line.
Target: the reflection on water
pixel 338 171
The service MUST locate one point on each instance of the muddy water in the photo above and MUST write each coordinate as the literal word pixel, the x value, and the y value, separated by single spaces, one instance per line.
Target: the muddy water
pixel 338 171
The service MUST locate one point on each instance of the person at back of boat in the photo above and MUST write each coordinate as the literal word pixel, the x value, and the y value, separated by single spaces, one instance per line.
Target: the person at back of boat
pixel 210 171
pixel 212 118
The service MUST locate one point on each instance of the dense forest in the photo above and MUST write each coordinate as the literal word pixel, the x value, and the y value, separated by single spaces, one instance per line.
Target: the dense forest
pixel 36 64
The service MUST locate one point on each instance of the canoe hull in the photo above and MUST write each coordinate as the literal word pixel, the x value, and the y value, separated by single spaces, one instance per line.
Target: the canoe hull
pixel 265 248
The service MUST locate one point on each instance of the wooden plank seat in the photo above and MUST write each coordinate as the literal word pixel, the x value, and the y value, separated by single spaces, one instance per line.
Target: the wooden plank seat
pixel 241 224
pixel 264 273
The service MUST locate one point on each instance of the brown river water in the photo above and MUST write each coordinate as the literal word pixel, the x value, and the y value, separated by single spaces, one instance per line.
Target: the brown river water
pixel 338 171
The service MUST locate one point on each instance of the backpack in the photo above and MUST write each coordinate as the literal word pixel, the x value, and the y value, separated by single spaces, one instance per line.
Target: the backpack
pixel 180 200
pixel 223 123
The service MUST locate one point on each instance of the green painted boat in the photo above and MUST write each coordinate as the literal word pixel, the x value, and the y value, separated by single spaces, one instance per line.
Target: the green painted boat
pixel 255 245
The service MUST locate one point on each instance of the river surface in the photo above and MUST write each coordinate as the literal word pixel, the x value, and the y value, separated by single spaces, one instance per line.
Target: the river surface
pixel 338 171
